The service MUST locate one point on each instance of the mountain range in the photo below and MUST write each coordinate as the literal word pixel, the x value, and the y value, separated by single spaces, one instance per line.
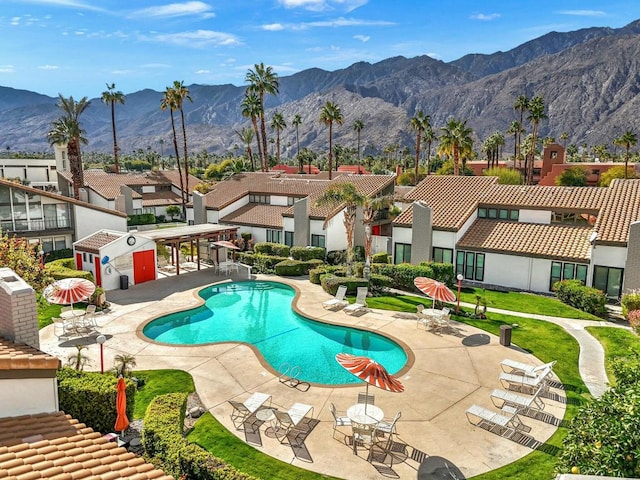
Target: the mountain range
pixel 589 80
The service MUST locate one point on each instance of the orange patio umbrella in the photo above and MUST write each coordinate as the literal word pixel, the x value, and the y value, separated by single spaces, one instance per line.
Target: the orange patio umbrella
pixel 434 289
pixel 122 422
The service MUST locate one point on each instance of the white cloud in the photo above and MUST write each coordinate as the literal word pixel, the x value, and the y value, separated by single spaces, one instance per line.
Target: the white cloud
pixel 7 69
pixel 202 72
pixel 273 27
pixel 583 13
pixel 121 72
pixel 324 5
pixel 196 39
pixel 484 16
pixel 176 10
pixel 155 65
pixel 15 21
pixel 315 5
pixel 67 4
pixel 362 38
pixel 48 67
pixel 344 22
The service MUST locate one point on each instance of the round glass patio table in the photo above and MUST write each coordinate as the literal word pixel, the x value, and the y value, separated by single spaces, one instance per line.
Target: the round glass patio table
pixel 373 415
pixel 267 415
pixel 76 313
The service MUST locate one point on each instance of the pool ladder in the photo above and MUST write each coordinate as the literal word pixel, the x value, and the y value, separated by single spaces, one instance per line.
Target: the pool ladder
pixel 289 376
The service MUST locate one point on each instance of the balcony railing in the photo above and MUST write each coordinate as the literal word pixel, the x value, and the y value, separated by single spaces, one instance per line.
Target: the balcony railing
pixel 34 225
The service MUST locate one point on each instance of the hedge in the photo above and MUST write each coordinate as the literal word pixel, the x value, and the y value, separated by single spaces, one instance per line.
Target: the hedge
pixel 141 219
pixel 381 257
pixel 315 274
pixel 293 268
pixel 165 444
pixel 91 397
pixel 308 253
pixel 259 262
pixel 404 273
pixel 269 248
pixel 58 254
pixel 330 283
pixel 587 299
pixel 66 268
pixel 630 301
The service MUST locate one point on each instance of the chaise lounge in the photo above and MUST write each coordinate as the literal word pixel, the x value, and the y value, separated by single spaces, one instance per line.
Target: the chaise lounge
pixel 339 301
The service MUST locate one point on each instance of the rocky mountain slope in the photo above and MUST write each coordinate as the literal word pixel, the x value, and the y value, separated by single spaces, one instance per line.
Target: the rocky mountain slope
pixel 589 80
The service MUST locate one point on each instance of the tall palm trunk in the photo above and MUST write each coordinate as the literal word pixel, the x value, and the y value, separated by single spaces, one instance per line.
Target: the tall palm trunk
pixel 75 165
pixel 185 190
pixel 456 160
pixel 175 147
pixel 254 121
pixel 418 138
pixel 263 131
pixel 116 164
pixel 330 148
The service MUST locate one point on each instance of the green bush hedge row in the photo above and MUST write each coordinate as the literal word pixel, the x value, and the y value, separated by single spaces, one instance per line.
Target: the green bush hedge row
pixel 91 397
pixel 260 262
pixel 141 219
pixel 293 268
pixel 404 273
pixel 330 283
pixel 269 248
pixel 66 268
pixel 381 257
pixel 308 253
pixel 164 443
pixel 58 254
pixel 315 274
pixel 587 299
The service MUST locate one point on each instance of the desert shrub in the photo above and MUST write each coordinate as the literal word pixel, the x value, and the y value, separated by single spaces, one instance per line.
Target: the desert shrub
pixel 381 257
pixel 270 248
pixel 587 299
pixel 615 172
pixel 294 268
pixel 630 301
pixel 337 257
pixel 573 177
pixel 634 320
pixel 307 253
pixel 506 176
pixel 330 283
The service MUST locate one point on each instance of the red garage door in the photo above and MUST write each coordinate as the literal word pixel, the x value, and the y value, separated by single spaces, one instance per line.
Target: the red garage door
pixel 144 266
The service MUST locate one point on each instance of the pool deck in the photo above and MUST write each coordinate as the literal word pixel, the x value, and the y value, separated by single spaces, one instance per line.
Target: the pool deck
pixel 451 371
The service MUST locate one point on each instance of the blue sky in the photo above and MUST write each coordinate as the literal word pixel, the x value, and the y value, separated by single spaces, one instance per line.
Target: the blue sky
pixel 75 47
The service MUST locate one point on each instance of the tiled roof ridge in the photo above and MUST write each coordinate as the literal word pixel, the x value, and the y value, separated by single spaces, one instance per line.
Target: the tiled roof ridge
pixel 20 356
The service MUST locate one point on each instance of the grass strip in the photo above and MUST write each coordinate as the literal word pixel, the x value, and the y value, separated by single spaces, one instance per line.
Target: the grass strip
pixel 159 382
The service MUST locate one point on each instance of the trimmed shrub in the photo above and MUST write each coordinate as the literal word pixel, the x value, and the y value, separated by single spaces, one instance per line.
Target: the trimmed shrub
pixel 315 274
pixel 337 257
pixel 261 263
pixel 630 301
pixel 634 320
pixel 295 268
pixel 141 219
pixel 307 253
pixel 381 257
pixel 379 283
pixel 91 397
pixel 404 273
pixel 587 299
pixel 269 248
pixel 66 268
pixel 58 254
pixel 330 283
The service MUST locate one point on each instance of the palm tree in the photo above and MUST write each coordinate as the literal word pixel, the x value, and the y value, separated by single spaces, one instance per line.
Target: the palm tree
pixel 262 80
pixel 564 136
pixel 331 113
pixel 515 129
pixel 181 93
pixel 521 105
pixel 358 125
pixel 246 136
pixel 370 208
pixel 251 109
pixel 278 124
pixel 455 141
pixel 348 195
pixel 429 136
pixel 66 130
pixel 419 123
pixel 536 114
pixel 111 97
pixel 168 102
pixel 627 140
pixel 296 122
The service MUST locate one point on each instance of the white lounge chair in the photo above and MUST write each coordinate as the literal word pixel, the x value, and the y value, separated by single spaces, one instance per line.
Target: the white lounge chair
pixel 525 383
pixel 339 420
pixel 508 420
pixel 339 301
pixel 500 398
pixel 242 411
pixel 360 303
pixel 388 425
pixel 512 366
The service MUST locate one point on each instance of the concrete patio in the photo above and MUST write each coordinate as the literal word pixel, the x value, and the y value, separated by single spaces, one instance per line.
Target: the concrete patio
pixel 450 372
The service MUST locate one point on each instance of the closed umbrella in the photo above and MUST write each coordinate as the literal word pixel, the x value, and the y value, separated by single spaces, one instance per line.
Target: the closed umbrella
pixel 122 422
pixel 226 244
pixel 434 289
pixel 69 291
pixel 370 371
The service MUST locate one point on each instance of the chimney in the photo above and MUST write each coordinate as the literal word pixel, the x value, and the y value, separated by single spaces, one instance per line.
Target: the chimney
pixel 19 321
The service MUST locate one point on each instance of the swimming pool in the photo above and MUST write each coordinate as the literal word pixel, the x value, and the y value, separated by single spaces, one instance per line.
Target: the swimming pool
pixel 260 313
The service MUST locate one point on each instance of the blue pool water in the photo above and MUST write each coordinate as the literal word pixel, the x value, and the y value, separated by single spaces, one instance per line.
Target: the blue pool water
pixel 260 313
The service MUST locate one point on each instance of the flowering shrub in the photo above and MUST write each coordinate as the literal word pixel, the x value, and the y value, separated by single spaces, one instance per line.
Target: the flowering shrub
pixel 634 320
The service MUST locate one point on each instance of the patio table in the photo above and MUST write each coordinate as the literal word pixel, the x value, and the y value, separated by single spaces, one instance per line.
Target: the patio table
pixel 356 414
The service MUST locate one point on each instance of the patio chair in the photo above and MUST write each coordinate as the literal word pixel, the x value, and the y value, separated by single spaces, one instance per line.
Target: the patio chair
pixel 364 435
pixel 338 302
pixel 500 398
pixel 512 366
pixel 242 411
pixel 339 420
pixel 367 398
pixel 483 417
pixel 360 303
pixel 289 420
pixel 440 322
pixel 525 383
pixel 90 316
pixel 388 425
pixel 62 327
pixel 422 319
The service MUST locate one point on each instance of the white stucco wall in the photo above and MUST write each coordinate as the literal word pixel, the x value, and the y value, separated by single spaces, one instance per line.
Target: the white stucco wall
pixel 444 239
pixel 121 260
pixel 465 226
pixel 213 216
pixel 287 224
pixel 534 216
pixel 234 206
pixel 523 273
pixel 278 200
pixel 335 234
pixel 27 396
pixel 401 235
pixel 98 200
pixel 609 256
pixel 88 221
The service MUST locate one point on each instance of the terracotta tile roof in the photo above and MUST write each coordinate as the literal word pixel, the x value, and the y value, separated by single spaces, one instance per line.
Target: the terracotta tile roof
pixel 545 198
pixel 563 242
pixel 621 207
pixel 159 199
pixel 268 216
pixel 18 356
pixel 93 243
pixel 452 199
pixel 55 446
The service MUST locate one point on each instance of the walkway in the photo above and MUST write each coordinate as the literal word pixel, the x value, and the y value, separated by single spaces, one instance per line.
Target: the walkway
pixel 450 372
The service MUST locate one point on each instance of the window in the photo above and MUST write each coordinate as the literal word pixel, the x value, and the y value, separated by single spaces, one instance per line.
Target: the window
pixel 402 253
pixel 442 255
pixel 288 238
pixel 266 199
pixel 608 279
pixel 567 271
pixel 470 265
pixel 493 213
pixel 317 240
pixel 290 201
pixel 501 214
pixel 514 215
pixel 60 243
pixel 274 236
pixel 482 213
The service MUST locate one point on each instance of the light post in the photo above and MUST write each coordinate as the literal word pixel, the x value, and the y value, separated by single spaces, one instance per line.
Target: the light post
pixel 100 339
pixel 41 255
pixel 459 277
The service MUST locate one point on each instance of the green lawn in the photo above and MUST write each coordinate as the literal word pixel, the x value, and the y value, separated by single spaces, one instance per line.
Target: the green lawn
pixel 159 382
pixel 616 342
pixel 46 312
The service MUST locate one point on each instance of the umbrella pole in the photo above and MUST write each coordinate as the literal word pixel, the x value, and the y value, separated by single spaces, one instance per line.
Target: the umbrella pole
pixel 366 397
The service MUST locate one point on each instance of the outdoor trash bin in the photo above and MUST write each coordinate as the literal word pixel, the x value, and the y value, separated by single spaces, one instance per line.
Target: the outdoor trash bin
pixel 505 335
pixel 124 282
